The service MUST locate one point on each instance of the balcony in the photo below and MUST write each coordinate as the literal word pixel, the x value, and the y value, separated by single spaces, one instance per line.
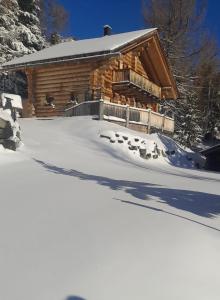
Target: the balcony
pixel 130 83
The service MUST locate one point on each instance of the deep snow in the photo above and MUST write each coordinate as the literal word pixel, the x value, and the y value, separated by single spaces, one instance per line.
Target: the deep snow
pixel 80 218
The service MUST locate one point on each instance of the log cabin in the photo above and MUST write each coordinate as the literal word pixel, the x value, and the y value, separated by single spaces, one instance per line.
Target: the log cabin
pixel 128 68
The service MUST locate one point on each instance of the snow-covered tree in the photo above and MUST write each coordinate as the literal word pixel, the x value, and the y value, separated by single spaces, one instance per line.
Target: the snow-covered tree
pixel 208 73
pixel 20 34
pixel 19 29
pixel 180 24
pixel 27 5
pixel 188 120
pixel 55 38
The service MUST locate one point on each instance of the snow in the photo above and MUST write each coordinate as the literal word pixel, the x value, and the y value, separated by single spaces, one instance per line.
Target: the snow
pixel 112 118
pixel 8 158
pixel 15 100
pixel 158 146
pixel 6 115
pixel 93 46
pixel 79 218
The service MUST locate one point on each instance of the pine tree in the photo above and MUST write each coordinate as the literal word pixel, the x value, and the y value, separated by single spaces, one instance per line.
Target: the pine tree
pixel 209 82
pixel 188 120
pixel 20 34
pixel 27 5
pixel 20 30
pixel 55 38
pixel 182 35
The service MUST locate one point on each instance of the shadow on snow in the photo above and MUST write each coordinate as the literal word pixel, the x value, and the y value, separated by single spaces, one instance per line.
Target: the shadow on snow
pixel 74 298
pixel 199 203
pixel 167 212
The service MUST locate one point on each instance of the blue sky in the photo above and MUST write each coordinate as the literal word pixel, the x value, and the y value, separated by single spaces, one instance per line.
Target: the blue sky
pixel 89 16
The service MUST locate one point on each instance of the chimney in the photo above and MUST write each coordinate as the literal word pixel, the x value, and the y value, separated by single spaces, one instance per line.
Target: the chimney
pixel 107 30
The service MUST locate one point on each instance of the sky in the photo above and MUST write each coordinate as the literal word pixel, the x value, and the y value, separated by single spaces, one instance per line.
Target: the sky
pixel 87 17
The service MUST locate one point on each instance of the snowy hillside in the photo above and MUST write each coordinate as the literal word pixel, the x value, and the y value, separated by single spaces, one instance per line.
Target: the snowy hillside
pixel 82 216
pixel 150 149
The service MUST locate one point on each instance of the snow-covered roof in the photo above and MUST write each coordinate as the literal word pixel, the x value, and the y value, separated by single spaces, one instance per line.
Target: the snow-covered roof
pixel 82 48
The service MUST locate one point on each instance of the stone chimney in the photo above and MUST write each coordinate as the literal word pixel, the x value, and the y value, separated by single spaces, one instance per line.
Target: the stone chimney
pixel 107 30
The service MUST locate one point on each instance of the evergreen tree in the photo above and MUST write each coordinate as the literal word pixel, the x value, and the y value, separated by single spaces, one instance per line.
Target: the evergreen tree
pixel 27 5
pixel 55 38
pixel 182 35
pixel 188 120
pixel 20 34
pixel 209 82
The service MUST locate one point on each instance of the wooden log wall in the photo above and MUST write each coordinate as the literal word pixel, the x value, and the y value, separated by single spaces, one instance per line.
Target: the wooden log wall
pixel 93 77
pixel 103 76
pixel 60 81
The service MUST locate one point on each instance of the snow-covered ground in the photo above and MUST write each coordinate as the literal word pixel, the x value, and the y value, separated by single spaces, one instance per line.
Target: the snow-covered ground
pixel 83 217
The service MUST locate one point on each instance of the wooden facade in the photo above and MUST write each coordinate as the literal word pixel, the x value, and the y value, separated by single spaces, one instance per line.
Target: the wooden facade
pixel 137 75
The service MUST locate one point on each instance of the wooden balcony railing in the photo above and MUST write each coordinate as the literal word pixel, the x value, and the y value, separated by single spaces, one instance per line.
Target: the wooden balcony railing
pixel 145 117
pixel 122 113
pixel 130 76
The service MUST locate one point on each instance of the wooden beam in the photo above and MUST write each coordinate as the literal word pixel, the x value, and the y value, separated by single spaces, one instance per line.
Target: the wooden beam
pixel 29 74
pixel 30 82
pixel 143 43
pixel 152 71
pixel 166 66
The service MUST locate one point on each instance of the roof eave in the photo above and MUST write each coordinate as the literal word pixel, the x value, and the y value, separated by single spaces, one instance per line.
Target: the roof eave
pixel 116 51
pixel 135 41
pixel 176 93
pixel 102 54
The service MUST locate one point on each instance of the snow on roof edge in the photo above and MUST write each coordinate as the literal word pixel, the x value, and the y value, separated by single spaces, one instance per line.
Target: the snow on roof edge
pixel 111 49
pixel 148 31
pixel 60 59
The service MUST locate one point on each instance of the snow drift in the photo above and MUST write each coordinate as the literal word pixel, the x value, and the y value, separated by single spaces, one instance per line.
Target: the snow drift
pixel 81 219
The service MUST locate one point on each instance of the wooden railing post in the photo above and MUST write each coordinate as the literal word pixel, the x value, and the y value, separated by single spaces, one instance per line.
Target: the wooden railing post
pixel 127 115
pixel 163 122
pixel 101 109
pixel 149 121
pixel 114 76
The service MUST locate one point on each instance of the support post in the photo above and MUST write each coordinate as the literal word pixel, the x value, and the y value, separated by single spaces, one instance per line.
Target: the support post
pixel 101 109
pixel 29 74
pixel 163 122
pixel 149 121
pixel 127 115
